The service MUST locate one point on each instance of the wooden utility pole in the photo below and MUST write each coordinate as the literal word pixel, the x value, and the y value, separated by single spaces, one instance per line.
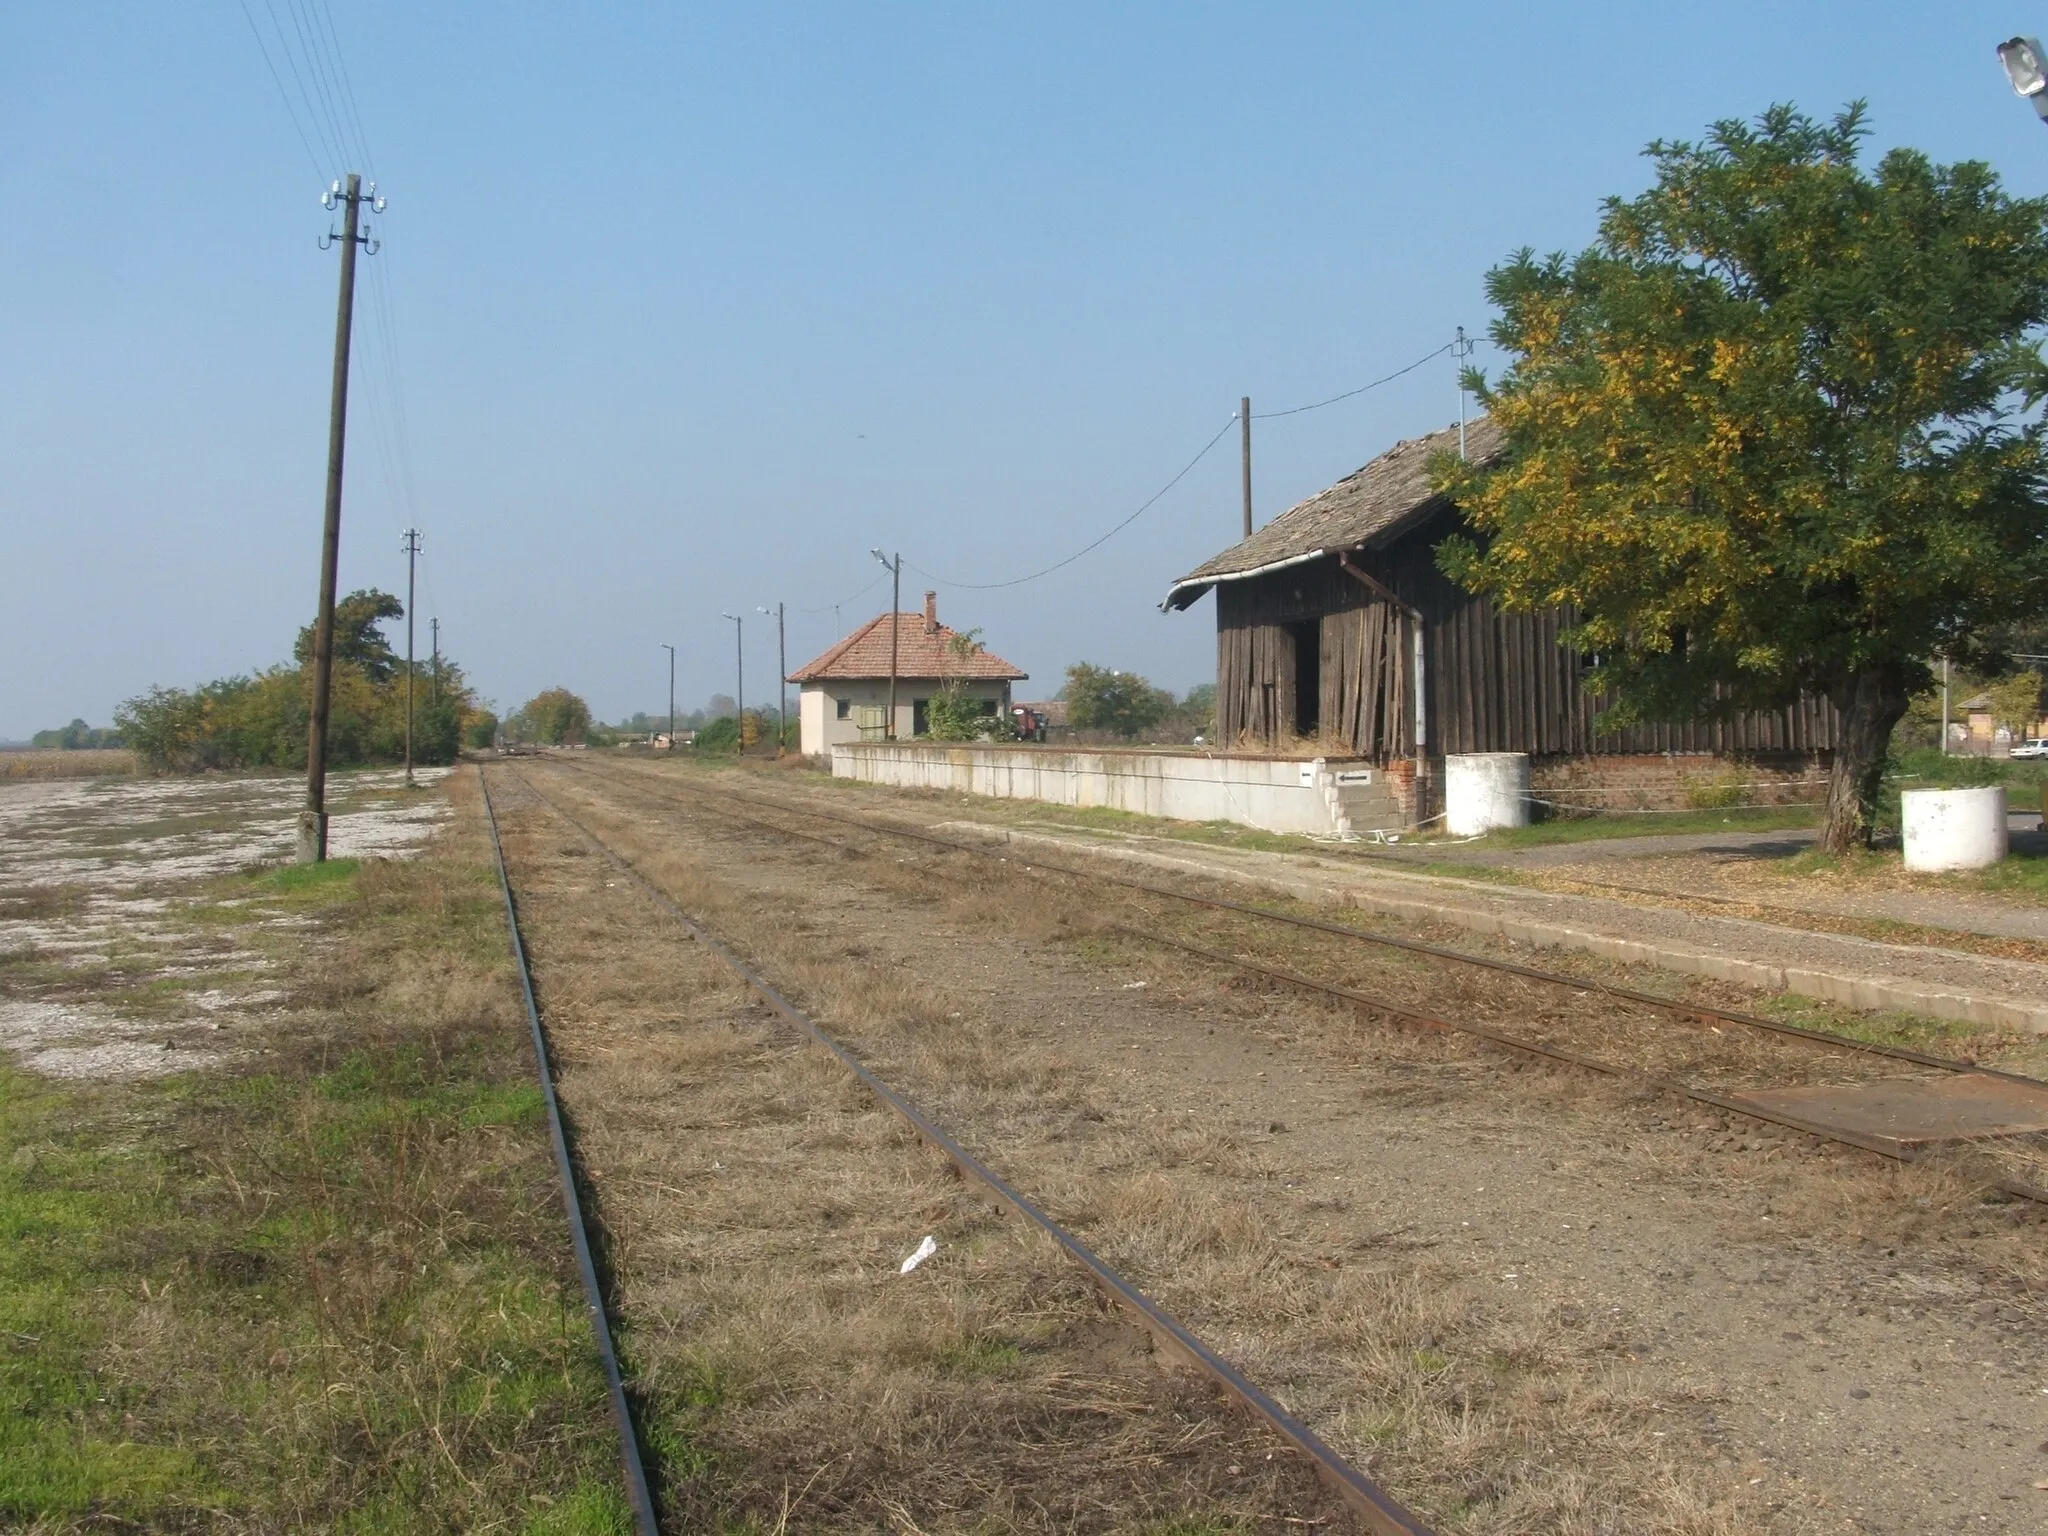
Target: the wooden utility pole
pixel 895 624
pixel 671 693
pixel 1244 421
pixel 780 610
pixel 412 555
pixel 312 847
pixel 435 626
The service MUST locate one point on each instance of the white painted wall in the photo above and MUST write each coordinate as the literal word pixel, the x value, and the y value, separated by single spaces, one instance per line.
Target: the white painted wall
pixel 821 729
pixel 1277 794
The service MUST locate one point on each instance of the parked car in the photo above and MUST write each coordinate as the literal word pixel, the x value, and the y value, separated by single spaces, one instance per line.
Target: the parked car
pixel 2033 746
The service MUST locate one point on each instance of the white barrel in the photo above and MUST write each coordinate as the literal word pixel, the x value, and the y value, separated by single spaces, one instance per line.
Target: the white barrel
pixel 1953 828
pixel 1484 790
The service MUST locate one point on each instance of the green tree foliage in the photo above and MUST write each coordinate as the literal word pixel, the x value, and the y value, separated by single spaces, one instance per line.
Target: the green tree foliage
pixel 358 641
pixel 76 736
pixel 2016 702
pixel 720 735
pixel 953 714
pixel 553 717
pixel 480 730
pixel 1777 430
pixel 1121 703
pixel 261 721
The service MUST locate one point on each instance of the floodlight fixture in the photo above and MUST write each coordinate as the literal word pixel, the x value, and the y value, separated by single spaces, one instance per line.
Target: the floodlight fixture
pixel 2026 66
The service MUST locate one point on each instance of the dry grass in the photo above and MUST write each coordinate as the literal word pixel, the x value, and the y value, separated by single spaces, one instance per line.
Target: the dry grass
pixel 1472 1411
pixel 84 763
pixel 757 1204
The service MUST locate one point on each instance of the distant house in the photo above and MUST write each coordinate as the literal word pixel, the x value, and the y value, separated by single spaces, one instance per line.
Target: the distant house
pixel 845 692
pixel 1334 628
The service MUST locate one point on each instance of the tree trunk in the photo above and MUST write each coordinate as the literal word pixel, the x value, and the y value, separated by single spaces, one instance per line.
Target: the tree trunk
pixel 1870 704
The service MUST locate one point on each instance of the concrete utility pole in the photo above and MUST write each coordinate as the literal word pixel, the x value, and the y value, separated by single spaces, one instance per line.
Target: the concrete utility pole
pixel 1244 421
pixel 412 555
pixel 435 626
pixel 1944 706
pixel 671 694
pixel 782 664
pixel 739 702
pixel 312 841
pixel 1460 350
pixel 895 570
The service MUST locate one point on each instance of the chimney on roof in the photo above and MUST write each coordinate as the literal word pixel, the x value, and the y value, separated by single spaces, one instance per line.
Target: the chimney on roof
pixel 931 613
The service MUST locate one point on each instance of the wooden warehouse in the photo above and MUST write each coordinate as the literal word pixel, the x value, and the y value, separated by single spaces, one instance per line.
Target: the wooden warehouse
pixel 1325 617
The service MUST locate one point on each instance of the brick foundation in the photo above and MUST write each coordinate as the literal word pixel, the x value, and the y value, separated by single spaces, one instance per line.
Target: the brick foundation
pixel 1678 781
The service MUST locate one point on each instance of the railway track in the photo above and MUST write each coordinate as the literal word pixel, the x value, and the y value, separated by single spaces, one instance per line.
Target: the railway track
pixel 1373 1507
pixel 639 1493
pixel 1512 1041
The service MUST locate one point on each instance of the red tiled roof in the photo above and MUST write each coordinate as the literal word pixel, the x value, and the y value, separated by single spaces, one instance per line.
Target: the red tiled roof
pixel 920 652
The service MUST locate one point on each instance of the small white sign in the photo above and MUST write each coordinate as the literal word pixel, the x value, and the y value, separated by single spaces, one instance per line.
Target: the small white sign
pixel 1355 776
pixel 1308 775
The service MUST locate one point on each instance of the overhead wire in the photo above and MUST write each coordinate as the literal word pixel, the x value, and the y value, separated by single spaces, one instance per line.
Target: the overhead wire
pixel 1146 506
pixel 1017 581
pixel 313 68
pixel 1353 393
pixel 283 95
pixel 348 90
pixel 863 592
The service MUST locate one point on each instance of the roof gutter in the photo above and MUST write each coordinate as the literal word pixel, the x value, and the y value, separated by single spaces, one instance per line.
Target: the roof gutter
pixel 1203 583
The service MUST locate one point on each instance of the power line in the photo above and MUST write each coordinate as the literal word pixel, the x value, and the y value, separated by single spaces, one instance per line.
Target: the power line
pixel 828 607
pixel 1018 581
pixel 313 63
pixel 1350 393
pixel 332 149
pixel 348 90
pixel 283 95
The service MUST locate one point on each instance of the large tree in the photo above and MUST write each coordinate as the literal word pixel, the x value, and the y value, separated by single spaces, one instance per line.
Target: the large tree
pixel 1776 431
pixel 358 639
pixel 554 716
pixel 1104 699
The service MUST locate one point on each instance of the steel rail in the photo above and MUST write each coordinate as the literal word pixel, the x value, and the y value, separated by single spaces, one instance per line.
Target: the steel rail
pixel 1378 1510
pixel 638 1493
pixel 1696 1011
pixel 1654 1082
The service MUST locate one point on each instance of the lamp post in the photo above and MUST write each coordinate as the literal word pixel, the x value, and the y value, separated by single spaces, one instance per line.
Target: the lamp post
pixel 2026 66
pixel 782 680
pixel 895 570
pixel 671 694
pixel 739 701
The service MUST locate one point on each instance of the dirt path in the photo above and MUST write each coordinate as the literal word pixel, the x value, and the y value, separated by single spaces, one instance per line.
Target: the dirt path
pixel 1525 1302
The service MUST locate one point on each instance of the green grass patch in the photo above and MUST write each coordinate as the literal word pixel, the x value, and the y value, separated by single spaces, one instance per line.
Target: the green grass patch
pixel 330 1290
pixel 2019 873
pixel 1582 829
pixel 297 879
pixel 980 1357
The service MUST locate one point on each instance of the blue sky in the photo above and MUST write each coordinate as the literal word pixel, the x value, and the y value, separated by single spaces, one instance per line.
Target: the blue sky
pixel 684 308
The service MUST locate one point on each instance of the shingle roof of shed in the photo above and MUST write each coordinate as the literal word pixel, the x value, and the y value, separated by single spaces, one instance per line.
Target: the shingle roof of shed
pixel 1383 497
pixel 864 654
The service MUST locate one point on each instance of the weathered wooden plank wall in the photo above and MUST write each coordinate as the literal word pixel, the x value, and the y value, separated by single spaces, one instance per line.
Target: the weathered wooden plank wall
pixel 1497 682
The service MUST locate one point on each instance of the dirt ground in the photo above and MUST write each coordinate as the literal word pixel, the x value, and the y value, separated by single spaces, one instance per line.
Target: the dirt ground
pixel 1524 1301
